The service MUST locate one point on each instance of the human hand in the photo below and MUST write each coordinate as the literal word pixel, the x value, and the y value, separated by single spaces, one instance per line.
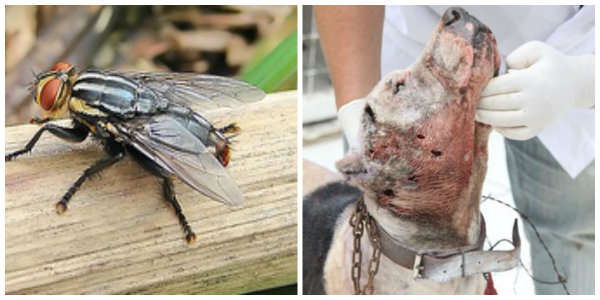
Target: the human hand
pixel 541 86
pixel 349 115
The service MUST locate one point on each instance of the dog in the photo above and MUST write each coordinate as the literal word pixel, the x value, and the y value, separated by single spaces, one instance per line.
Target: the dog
pixel 413 192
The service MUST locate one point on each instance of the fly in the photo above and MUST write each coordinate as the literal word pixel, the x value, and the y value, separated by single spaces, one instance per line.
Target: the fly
pixel 146 116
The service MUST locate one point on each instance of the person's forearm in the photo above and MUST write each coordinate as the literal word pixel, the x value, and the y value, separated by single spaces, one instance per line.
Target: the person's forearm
pixel 351 40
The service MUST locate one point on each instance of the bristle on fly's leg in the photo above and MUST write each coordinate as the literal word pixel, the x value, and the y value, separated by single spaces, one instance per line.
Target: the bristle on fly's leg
pixel 230 129
pixel 60 207
pixel 190 237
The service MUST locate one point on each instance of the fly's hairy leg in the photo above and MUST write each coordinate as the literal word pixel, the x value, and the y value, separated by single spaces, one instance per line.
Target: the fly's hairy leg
pixel 190 236
pixel 229 129
pixel 168 189
pixel 76 134
pixel 39 121
pixel 100 165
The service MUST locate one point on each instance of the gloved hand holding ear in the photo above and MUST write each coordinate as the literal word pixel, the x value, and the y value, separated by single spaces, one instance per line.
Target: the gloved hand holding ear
pixel 540 87
pixel 349 115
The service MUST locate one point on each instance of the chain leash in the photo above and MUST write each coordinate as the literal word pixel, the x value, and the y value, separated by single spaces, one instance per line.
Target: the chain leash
pixel 360 220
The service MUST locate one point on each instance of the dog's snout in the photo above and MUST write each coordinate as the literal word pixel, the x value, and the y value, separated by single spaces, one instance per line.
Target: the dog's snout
pixel 453 15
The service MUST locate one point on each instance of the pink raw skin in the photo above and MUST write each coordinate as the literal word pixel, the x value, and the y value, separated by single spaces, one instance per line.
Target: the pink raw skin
pixel 424 155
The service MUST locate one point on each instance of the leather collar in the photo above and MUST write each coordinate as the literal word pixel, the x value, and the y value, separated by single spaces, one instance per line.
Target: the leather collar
pixel 446 264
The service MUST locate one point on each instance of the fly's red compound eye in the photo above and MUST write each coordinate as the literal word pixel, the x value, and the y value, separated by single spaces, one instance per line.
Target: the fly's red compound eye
pixel 49 93
pixel 62 66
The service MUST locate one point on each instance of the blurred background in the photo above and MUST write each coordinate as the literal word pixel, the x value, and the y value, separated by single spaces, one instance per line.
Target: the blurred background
pixel 323 145
pixel 255 43
pixel 321 132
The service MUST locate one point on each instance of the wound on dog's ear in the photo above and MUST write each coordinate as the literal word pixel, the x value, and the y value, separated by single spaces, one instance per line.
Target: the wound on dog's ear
pixel 351 165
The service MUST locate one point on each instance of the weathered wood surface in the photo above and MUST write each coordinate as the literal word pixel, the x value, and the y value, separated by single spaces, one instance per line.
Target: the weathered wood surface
pixel 119 234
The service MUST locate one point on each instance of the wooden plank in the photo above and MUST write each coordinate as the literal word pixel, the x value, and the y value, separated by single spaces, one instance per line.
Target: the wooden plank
pixel 120 236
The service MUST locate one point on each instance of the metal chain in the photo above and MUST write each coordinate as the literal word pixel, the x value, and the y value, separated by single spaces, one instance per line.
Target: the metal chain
pixel 359 220
pixel 374 262
pixel 356 221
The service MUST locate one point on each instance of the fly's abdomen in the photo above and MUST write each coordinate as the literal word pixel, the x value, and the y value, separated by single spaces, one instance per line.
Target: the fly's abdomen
pixel 194 123
pixel 115 94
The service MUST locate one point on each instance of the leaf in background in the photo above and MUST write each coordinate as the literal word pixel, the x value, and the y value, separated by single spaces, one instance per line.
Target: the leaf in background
pixel 278 71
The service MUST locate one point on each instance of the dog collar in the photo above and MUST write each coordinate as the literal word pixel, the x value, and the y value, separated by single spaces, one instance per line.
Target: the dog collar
pixel 446 264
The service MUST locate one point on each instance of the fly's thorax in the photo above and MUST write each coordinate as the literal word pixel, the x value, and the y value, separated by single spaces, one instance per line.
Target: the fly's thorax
pixel 108 130
pixel 80 106
pixel 116 94
pixel 53 89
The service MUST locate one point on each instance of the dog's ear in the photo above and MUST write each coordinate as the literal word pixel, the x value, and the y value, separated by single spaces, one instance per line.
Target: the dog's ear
pixel 351 166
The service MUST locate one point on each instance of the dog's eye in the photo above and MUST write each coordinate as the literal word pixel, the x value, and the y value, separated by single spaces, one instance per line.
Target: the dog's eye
pixel 398 87
pixel 370 113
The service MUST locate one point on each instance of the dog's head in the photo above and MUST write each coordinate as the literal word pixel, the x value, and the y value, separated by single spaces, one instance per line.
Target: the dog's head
pixel 421 144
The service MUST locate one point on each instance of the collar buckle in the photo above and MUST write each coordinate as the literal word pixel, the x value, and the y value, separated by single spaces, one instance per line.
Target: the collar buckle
pixel 418 267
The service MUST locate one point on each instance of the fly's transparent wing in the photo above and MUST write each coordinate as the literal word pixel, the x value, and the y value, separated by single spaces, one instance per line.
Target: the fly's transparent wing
pixel 192 89
pixel 164 140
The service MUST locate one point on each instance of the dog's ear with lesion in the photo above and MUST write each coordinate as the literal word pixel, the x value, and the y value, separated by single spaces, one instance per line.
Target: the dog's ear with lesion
pixel 352 166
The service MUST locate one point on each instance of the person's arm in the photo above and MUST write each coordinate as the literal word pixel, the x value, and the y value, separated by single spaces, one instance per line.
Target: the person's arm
pixel 351 40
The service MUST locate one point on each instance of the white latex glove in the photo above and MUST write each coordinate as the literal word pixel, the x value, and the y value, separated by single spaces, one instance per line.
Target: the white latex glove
pixel 349 116
pixel 541 86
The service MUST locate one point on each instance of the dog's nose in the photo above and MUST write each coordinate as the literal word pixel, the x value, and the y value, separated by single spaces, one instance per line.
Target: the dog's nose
pixel 453 15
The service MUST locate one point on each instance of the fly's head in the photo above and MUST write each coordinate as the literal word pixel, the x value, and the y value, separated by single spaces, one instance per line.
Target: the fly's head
pixel 52 89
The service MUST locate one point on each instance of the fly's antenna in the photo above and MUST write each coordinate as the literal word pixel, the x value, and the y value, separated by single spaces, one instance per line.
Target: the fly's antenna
pixel 36 75
pixel 32 87
pixel 32 84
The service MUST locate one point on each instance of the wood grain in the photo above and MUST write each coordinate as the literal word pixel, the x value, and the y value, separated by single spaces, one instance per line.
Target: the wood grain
pixel 120 236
